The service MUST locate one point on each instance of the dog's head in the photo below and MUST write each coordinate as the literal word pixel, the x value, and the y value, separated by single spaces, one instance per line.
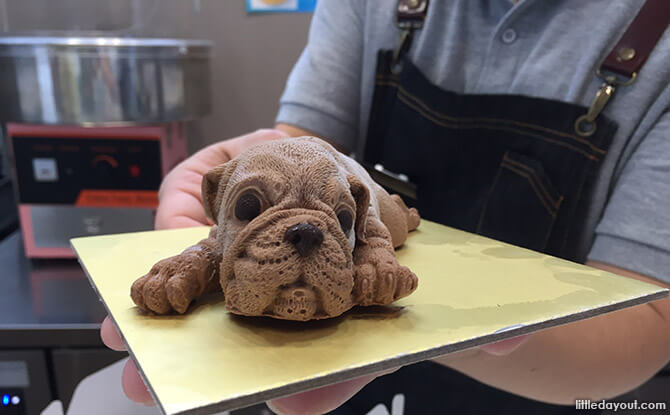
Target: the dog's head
pixel 289 216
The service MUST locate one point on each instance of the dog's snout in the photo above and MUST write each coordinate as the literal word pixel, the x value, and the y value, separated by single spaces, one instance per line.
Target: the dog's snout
pixel 305 237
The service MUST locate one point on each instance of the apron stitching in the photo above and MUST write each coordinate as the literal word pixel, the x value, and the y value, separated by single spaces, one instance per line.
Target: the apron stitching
pixel 488 197
pixel 532 171
pixel 383 77
pixel 576 203
pixel 527 133
pixel 503 121
pixel 533 185
pixel 551 228
pixel 492 120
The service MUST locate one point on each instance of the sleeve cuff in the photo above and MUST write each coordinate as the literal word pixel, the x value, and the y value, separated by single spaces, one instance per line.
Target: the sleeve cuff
pixel 318 122
pixel 633 256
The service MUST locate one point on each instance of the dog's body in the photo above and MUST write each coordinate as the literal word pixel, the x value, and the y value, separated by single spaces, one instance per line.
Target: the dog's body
pixel 302 232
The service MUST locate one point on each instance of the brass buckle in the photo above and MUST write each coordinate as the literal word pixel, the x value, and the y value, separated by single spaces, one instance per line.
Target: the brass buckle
pixel 411 13
pixel 614 80
pixel 404 44
pixel 585 125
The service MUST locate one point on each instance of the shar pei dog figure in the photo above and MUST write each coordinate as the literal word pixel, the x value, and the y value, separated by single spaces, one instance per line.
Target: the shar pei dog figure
pixel 300 232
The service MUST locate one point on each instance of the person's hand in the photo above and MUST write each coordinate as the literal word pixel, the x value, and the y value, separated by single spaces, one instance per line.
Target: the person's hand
pixel 180 203
pixel 132 383
pixel 328 398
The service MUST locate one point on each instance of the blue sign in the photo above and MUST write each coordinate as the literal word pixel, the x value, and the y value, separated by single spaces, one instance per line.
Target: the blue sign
pixel 280 6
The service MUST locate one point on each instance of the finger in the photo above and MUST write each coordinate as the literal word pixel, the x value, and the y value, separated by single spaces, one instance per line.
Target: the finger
pixel 504 347
pixel 239 144
pixel 182 221
pixel 133 386
pixel 270 134
pixel 110 336
pixel 178 209
pixel 319 401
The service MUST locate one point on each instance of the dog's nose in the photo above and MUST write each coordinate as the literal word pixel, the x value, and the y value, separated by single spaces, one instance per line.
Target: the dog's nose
pixel 305 237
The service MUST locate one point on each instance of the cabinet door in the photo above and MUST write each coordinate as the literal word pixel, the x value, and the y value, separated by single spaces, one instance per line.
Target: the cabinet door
pixel 24 382
pixel 70 366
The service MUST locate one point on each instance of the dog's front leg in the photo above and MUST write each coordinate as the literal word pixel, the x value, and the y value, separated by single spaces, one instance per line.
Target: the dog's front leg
pixel 378 277
pixel 174 282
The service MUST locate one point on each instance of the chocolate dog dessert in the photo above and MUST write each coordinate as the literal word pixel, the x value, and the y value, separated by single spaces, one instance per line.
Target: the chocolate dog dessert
pixel 301 232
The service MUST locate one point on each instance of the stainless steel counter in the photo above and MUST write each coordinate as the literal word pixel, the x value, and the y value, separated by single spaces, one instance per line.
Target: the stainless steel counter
pixel 47 303
pixel 49 327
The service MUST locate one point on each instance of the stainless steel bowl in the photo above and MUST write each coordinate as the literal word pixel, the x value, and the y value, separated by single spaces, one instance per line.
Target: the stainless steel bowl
pixel 103 81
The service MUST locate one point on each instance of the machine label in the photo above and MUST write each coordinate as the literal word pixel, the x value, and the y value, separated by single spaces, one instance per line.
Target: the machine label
pixel 118 198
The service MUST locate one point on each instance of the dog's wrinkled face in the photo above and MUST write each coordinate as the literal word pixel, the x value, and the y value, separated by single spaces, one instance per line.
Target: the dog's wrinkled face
pixel 288 217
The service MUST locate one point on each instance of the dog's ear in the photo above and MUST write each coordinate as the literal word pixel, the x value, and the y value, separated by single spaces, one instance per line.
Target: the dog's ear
pixel 362 197
pixel 214 184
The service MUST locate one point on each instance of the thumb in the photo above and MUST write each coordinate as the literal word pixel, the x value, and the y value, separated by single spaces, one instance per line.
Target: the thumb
pixel 321 400
pixel 504 347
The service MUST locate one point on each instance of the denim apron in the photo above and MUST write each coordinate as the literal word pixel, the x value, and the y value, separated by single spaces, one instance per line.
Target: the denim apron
pixel 504 166
pixel 508 167
pixel 514 168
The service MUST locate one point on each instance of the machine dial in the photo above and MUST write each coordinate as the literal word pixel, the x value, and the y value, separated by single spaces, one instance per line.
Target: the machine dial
pixel 104 166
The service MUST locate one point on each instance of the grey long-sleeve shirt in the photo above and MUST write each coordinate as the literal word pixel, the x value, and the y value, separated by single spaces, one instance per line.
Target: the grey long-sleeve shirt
pixel 542 48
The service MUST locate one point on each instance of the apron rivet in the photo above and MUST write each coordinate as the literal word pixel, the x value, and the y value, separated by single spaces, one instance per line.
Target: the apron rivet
pixel 413 4
pixel 626 54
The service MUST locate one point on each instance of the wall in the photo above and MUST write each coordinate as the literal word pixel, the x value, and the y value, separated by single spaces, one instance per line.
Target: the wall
pixel 253 53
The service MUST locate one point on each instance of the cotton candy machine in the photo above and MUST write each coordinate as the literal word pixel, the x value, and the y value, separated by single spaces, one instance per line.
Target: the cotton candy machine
pixel 94 119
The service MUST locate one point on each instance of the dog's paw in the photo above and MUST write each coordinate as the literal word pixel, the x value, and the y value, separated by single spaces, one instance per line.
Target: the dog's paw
pixel 381 280
pixel 169 285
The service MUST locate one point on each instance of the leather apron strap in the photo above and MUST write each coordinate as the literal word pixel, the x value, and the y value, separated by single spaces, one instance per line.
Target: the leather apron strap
pixel 633 49
pixel 625 60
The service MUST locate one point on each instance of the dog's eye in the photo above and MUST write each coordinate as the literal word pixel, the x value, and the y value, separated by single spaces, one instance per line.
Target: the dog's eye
pixel 346 220
pixel 248 206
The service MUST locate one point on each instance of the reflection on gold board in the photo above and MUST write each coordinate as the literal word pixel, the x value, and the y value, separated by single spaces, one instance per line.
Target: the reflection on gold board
pixel 472 290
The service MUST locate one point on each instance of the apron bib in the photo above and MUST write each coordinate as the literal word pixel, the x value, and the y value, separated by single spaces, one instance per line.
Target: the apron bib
pixel 508 167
